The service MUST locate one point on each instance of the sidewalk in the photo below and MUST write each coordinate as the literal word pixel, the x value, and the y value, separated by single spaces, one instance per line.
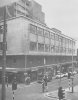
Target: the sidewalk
pixel 34 92
pixel 68 94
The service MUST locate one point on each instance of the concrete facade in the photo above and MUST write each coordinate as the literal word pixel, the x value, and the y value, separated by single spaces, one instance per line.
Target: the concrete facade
pixel 18 46
pixel 31 45
pixel 26 8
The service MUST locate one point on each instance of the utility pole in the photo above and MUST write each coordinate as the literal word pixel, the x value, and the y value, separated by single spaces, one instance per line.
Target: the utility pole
pixel 72 69
pixel 60 76
pixel 4 58
pixel 44 65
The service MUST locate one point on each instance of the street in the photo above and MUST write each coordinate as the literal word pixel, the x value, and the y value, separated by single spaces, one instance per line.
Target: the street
pixel 34 90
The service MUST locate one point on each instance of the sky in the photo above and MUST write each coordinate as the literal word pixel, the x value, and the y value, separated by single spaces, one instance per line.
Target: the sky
pixel 63 15
pixel 60 14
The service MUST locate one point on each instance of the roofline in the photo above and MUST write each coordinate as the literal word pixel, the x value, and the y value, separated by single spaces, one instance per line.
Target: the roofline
pixel 39 24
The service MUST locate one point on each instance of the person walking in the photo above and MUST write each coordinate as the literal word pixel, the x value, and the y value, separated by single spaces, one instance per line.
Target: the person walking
pixel 45 82
pixel 43 85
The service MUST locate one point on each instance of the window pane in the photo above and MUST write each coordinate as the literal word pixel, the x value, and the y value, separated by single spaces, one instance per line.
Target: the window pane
pixel 52 48
pixel 46 33
pixel 1 29
pixel 40 47
pixel 57 49
pixel 33 46
pixel 1 45
pixel 52 35
pixel 56 37
pixel 39 31
pixel 32 29
pixel 47 48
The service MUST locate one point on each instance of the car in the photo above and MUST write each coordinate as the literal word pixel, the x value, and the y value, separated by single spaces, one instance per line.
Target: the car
pixel 59 75
pixel 74 72
pixel 40 78
pixel 65 74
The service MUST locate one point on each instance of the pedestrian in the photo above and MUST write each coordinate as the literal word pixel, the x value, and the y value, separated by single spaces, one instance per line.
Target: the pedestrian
pixel 45 81
pixel 27 80
pixel 14 83
pixel 7 80
pixel 43 85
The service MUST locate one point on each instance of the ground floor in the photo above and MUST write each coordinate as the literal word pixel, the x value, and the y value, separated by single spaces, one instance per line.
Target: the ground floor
pixel 35 66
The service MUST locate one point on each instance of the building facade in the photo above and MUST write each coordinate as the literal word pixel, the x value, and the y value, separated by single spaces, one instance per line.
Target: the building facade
pixel 34 48
pixel 26 8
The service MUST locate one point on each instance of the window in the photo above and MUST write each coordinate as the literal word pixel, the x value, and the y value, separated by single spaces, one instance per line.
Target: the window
pixel 61 49
pixel 47 48
pixel 46 33
pixel 14 60
pixel 52 49
pixel 52 35
pixel 64 50
pixel 40 47
pixel 63 42
pixel 60 38
pixel 56 49
pixel 66 41
pixel 56 37
pixel 33 46
pixel 1 45
pixel 27 3
pixel 1 29
pixel 32 29
pixel 39 31
pixel 57 43
pixel 73 43
pixel 20 12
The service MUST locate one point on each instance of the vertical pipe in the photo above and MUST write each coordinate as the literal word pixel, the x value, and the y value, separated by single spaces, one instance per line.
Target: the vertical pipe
pixel 44 65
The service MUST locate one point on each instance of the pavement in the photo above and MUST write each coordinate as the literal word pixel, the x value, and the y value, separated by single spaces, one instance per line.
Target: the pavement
pixel 34 92
pixel 68 94
pixel 37 95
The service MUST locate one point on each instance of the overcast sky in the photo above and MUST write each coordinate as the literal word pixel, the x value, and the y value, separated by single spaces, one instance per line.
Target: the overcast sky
pixel 61 14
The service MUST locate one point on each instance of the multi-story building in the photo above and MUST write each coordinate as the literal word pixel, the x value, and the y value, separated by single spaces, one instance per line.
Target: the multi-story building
pixel 27 8
pixel 34 48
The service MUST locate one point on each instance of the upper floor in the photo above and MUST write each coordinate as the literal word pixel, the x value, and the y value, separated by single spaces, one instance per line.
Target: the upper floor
pixel 26 36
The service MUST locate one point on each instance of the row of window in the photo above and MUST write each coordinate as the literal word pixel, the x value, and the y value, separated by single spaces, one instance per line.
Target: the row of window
pixel 48 48
pixel 37 30
pixel 49 41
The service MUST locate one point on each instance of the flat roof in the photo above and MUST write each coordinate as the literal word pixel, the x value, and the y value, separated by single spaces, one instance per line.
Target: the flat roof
pixel 22 16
